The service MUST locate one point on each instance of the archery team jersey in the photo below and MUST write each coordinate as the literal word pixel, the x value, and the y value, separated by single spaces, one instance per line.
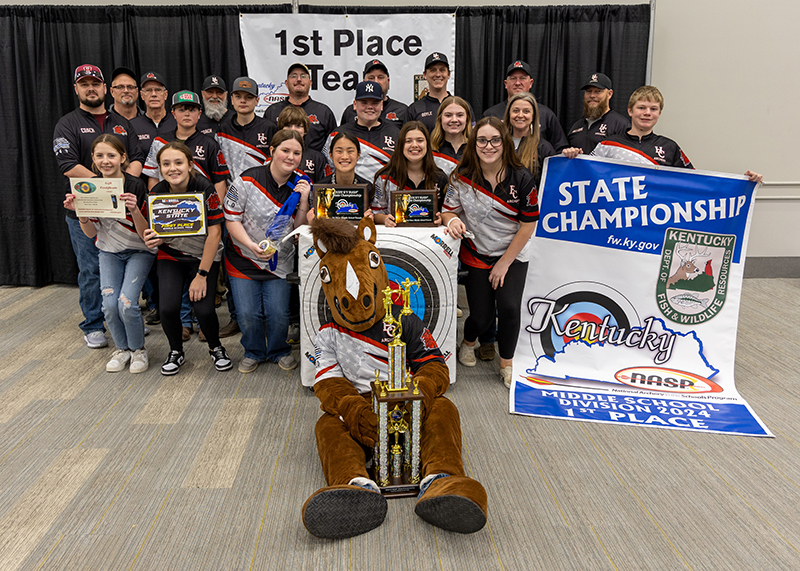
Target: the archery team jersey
pixel 208 159
pixel 425 109
pixel 393 112
pixel 254 199
pixel 376 145
pixel 314 164
pixel 493 216
pixel 355 355
pixel 650 149
pixel 247 146
pixel 587 136
pixel 190 248
pixel 386 184
pixel 119 234
pixel 208 126
pixel 147 130
pixel 319 115
pixel 549 127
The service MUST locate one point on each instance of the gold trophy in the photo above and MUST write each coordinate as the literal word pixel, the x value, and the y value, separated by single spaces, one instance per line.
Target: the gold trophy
pixel 401 208
pixel 397 401
pixel 324 200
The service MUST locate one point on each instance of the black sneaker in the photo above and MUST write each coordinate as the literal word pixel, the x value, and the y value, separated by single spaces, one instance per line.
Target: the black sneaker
pixel 221 360
pixel 173 363
pixel 153 317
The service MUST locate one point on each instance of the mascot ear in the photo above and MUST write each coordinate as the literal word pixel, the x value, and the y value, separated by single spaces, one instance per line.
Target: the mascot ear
pixel 319 245
pixel 366 229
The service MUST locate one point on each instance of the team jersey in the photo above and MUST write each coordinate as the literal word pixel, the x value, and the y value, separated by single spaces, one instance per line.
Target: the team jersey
pixel 386 184
pixel 319 115
pixel 208 126
pixel 254 199
pixel 208 159
pixel 549 127
pixel 393 112
pixel 493 216
pixel 147 130
pixel 376 145
pixel 314 164
pixel 190 248
pixel 586 136
pixel 117 235
pixel 651 149
pixel 425 109
pixel 245 146
pixel 355 355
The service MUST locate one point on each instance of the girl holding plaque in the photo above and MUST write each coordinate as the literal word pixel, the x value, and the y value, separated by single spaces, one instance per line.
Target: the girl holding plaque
pixel 345 152
pixel 411 167
pixel 124 259
pixel 497 198
pixel 522 118
pixel 258 281
pixel 196 257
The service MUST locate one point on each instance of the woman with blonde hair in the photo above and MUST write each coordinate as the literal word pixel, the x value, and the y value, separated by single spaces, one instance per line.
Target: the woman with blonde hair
pixel 522 119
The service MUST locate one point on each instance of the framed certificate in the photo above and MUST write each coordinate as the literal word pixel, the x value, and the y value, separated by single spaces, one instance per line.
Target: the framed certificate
pixel 174 215
pixel 414 207
pixel 98 197
pixel 340 201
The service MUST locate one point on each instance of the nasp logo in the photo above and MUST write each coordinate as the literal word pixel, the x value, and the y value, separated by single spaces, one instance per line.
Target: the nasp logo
pixel 344 206
pixel 666 380
pixel 415 210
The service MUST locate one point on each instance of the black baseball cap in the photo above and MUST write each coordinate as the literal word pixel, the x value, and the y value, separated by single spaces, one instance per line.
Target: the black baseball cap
pixel 598 80
pixel 518 65
pixel 436 57
pixel 369 90
pixel 123 70
pixel 214 82
pixel 152 76
pixel 372 64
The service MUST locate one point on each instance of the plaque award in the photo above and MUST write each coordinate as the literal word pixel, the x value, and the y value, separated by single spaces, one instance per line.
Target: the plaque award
pixel 397 402
pixel 340 201
pixel 173 215
pixel 414 207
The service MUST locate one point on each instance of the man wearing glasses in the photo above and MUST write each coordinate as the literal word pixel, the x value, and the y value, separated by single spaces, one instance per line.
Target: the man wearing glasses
pixel 125 93
pixel 298 84
pixel 155 121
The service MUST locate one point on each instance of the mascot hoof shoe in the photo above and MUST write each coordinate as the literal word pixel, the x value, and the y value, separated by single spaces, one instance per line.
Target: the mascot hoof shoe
pixel 455 503
pixel 343 511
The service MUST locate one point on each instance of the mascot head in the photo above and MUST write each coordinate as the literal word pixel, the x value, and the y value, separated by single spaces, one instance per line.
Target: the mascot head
pixel 351 270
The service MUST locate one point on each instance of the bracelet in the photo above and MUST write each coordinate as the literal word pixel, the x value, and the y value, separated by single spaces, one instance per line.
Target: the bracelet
pixel 451 221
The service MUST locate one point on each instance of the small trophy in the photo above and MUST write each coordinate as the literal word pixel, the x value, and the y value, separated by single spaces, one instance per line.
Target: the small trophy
pixel 397 402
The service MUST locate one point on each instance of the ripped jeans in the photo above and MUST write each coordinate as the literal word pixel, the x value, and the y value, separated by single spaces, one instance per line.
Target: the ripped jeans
pixel 122 276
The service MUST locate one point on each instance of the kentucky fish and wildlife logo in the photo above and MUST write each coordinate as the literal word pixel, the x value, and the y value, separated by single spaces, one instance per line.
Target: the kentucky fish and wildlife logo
pixel 693 276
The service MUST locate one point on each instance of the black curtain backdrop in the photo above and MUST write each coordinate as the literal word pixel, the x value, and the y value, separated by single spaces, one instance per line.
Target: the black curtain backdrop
pixel 40 46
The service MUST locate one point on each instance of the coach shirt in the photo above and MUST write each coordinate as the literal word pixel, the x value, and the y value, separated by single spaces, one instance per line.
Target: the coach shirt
pixel 586 136
pixel 147 130
pixel 319 115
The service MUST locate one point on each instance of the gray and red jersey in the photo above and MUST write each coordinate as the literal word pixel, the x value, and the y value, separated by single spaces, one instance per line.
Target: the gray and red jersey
pixel 651 149
pixel 493 216
pixel 119 234
pixel 208 158
pixel 355 356
pixel 245 146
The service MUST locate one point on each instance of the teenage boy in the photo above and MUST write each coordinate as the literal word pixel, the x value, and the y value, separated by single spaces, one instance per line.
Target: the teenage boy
pixel 437 74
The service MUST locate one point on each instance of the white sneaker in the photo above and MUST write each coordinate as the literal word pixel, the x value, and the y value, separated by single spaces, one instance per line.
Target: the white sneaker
pixel 505 372
pixel 96 340
pixel 139 361
pixel 287 362
pixel 119 360
pixel 466 355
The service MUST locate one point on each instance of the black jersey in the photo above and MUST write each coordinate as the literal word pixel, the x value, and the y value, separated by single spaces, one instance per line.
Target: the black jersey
pixel 147 130
pixel 245 146
pixel 393 112
pixel 208 126
pixel 319 115
pixel 376 145
pixel 549 127
pixel 208 159
pixel 650 149
pixel 586 136
pixel 425 110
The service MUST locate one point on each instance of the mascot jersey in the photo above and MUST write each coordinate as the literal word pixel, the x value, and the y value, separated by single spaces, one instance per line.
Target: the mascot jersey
pixel 355 355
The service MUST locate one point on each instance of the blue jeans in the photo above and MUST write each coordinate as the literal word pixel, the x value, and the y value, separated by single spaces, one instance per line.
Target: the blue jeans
pixel 122 276
pixel 262 305
pixel 88 278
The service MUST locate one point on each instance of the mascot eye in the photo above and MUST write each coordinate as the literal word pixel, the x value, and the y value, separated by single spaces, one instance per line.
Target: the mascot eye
pixel 325 275
pixel 374 260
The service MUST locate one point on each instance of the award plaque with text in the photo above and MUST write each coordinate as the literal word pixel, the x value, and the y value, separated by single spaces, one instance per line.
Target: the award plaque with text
pixel 98 197
pixel 340 201
pixel 173 215
pixel 414 207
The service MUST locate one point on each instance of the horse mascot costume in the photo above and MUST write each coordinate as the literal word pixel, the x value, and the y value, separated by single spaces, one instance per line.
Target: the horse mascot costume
pixel 348 351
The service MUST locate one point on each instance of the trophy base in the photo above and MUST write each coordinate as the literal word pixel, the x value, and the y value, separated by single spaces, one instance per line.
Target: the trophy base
pixel 399 487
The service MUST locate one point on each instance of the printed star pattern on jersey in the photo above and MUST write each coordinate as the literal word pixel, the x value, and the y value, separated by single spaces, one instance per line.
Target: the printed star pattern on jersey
pixel 651 149
pixel 208 158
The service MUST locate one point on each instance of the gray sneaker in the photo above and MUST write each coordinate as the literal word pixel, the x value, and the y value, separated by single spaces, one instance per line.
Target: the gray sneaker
pixel 293 336
pixel 119 360
pixel 139 361
pixel 248 365
pixel 95 340
pixel 287 362
pixel 466 355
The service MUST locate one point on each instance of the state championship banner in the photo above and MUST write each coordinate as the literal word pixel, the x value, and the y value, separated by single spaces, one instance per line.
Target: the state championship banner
pixel 424 254
pixel 630 309
pixel 335 48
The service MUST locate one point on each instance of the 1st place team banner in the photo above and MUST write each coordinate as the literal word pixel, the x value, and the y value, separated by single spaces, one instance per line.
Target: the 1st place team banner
pixel 631 305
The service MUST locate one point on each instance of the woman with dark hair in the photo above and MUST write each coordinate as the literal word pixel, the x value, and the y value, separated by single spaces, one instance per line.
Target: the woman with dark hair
pixel 258 281
pixel 411 167
pixel 497 198
pixel 195 257
pixel 522 119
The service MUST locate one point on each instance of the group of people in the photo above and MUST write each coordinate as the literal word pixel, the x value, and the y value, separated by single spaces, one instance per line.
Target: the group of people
pixel 486 173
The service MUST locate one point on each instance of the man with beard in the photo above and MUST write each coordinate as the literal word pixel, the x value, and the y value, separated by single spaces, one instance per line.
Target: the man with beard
pixel 298 83
pixel 437 74
pixel 215 104
pixel 72 142
pixel 598 121
pixel 518 78
pixel 125 93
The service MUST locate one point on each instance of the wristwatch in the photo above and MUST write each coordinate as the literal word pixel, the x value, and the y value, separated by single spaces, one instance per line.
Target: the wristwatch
pixel 203 273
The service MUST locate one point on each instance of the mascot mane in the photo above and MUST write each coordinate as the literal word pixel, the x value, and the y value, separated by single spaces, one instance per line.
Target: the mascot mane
pixel 338 236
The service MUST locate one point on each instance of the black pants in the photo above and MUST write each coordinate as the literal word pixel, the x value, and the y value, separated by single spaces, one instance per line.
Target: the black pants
pixel 504 302
pixel 171 277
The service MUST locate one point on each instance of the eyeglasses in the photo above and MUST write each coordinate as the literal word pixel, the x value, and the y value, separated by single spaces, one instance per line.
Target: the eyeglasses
pixel 493 142
pixel 124 87
pixel 299 76
pixel 150 90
